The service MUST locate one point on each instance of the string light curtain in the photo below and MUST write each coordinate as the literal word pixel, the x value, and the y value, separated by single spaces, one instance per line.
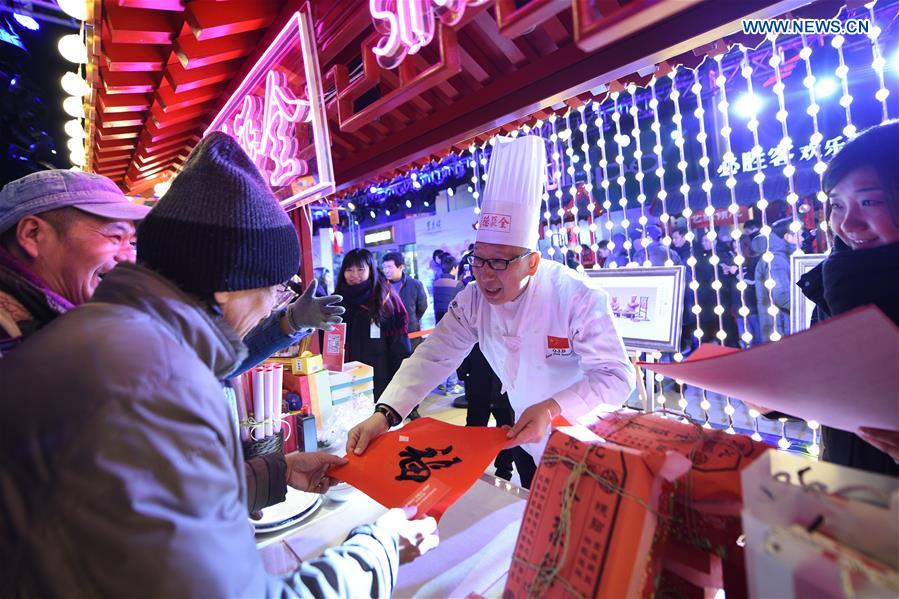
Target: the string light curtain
pixel 776 114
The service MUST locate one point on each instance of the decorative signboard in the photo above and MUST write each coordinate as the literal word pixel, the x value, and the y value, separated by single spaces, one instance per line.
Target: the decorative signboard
pixel 801 307
pixel 277 115
pixel 375 237
pixel 646 304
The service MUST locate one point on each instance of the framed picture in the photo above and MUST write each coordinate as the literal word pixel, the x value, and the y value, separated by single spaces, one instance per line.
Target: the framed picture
pixel 646 304
pixel 801 307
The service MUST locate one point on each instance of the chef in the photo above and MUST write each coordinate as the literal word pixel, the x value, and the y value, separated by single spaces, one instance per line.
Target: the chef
pixel 545 331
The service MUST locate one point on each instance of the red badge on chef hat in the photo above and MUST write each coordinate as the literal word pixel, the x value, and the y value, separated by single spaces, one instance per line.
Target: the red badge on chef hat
pixel 558 346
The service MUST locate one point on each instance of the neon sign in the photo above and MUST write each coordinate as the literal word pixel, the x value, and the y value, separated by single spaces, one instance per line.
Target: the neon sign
pixel 264 129
pixel 406 26
pixel 277 115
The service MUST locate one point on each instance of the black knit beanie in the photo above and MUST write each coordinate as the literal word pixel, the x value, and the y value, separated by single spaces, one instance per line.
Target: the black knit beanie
pixel 219 227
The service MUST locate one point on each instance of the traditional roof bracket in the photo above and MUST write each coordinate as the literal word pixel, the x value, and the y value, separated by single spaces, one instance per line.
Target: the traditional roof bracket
pixel 412 82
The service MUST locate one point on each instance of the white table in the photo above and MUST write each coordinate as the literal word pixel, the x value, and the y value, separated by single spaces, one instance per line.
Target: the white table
pixel 477 538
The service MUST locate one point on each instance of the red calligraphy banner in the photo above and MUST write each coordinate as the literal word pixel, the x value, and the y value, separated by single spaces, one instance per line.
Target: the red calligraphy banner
pixel 428 464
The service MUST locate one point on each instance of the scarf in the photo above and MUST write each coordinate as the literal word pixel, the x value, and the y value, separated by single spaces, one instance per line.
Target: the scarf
pixel 357 297
pixel 849 279
pixel 31 292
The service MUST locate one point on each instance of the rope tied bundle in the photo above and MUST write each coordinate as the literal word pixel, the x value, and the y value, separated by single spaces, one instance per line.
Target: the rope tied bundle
pixel 553 561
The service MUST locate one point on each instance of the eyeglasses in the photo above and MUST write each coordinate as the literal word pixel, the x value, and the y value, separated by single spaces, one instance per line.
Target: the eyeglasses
pixel 496 263
pixel 286 292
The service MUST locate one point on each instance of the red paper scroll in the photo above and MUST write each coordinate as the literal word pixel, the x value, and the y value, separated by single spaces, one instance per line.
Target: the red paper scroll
pixel 428 464
pixel 717 457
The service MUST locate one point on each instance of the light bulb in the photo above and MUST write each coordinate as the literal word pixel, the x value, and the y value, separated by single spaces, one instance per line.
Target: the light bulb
pixel 73 107
pixel 74 129
pixel 74 85
pixel 77 9
pixel 72 48
pixel 77 158
pixel 75 145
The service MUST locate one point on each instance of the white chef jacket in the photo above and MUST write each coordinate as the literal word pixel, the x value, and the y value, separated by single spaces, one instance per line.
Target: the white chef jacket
pixel 557 340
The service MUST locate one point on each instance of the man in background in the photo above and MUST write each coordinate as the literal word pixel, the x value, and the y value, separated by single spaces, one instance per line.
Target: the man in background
pixel 781 243
pixel 410 290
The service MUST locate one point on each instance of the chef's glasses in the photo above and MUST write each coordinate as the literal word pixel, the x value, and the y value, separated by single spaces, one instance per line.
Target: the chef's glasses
pixel 496 263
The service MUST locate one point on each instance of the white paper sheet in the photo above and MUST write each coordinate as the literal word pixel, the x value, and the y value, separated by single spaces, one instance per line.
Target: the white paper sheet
pixel 269 382
pixel 843 373
pixel 241 399
pixel 258 378
pixel 278 386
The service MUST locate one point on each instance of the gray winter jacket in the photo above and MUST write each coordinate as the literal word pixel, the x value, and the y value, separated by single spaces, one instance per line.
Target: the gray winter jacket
pixel 121 473
pixel 779 270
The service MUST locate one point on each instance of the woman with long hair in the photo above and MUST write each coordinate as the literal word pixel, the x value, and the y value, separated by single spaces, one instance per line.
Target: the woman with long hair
pixel 377 322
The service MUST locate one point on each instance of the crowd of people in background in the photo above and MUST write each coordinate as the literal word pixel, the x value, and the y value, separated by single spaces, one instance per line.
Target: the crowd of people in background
pixel 767 283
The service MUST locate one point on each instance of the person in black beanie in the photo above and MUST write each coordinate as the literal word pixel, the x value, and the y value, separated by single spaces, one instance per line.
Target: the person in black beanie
pixel 142 462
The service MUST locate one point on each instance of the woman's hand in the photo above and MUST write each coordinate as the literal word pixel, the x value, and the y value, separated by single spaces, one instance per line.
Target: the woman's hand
pixel 365 432
pixel 307 471
pixel 884 440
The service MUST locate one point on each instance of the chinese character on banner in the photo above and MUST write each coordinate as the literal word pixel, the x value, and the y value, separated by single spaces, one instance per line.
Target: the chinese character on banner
pixel 753 159
pixel 781 154
pixel 414 467
pixel 833 145
pixel 809 151
pixel 729 166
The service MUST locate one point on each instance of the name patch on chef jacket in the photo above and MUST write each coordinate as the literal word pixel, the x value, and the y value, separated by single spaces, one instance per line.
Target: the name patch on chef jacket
pixel 558 346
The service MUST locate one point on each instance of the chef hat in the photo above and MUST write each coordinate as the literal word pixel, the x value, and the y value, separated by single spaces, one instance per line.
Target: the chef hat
pixel 516 177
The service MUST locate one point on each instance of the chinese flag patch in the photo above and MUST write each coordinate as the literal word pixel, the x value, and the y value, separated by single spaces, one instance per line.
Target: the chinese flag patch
pixel 558 343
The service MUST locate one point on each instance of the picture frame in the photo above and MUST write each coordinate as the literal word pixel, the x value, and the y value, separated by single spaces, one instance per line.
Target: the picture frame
pixel 646 304
pixel 800 306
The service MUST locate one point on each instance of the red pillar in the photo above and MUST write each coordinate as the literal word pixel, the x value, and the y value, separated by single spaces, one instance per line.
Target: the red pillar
pixel 302 221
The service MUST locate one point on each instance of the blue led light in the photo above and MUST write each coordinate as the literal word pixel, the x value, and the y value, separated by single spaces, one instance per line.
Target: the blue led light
pixel 26 21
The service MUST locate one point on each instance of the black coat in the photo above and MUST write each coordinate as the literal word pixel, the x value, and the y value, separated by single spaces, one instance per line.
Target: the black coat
pixel 846 280
pixel 383 354
pixel 415 298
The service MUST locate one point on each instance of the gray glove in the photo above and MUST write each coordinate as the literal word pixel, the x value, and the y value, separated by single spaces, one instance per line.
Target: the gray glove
pixel 315 312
